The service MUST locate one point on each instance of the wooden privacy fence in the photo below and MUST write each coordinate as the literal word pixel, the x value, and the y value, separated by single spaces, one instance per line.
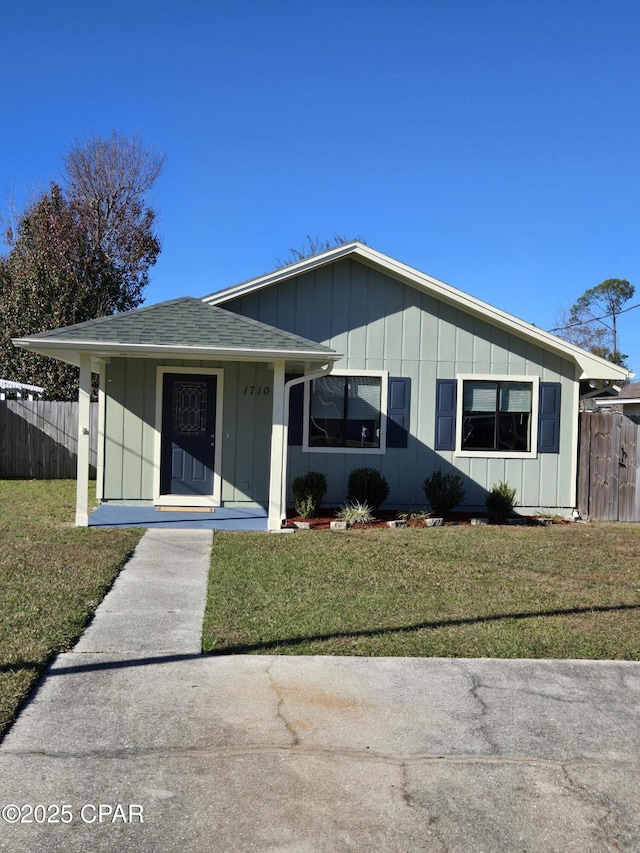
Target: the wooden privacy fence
pixel 609 466
pixel 39 439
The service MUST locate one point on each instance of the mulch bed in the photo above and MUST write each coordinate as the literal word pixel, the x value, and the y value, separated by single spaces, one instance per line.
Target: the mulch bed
pixel 323 522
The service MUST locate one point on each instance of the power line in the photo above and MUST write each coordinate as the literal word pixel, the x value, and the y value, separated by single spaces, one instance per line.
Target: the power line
pixel 593 319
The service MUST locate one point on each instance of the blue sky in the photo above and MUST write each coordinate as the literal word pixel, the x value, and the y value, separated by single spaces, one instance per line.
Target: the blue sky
pixel 493 145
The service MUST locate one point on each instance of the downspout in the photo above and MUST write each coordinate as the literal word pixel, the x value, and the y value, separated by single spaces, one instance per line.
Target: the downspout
pixel 308 377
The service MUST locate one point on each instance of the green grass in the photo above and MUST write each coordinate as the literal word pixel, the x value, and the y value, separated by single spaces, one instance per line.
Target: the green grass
pixel 52 577
pixel 563 591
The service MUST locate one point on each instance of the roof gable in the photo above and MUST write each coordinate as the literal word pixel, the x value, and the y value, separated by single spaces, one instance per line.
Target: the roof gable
pixel 589 365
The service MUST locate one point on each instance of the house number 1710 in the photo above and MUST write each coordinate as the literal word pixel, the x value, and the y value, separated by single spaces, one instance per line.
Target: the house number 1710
pixel 256 390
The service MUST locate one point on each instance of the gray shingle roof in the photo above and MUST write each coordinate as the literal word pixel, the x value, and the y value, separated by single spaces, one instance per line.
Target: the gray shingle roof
pixel 186 322
pixel 629 392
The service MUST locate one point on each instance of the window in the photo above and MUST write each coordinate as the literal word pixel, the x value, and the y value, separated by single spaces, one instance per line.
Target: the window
pixel 496 416
pixel 503 417
pixel 346 413
pixel 367 412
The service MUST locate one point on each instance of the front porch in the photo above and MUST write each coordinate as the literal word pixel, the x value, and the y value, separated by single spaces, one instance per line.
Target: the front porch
pixel 222 518
pixel 193 410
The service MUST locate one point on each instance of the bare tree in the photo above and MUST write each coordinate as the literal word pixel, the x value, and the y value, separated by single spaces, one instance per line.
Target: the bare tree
pixel 582 332
pixel 592 321
pixel 107 179
pixel 78 254
pixel 314 246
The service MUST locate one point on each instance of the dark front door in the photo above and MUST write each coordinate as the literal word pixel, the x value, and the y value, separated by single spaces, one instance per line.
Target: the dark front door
pixel 188 434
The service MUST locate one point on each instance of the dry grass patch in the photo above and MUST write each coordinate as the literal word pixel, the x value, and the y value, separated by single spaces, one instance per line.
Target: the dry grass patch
pixel 562 591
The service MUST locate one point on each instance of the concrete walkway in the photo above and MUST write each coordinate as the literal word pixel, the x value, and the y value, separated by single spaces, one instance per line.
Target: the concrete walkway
pixel 307 755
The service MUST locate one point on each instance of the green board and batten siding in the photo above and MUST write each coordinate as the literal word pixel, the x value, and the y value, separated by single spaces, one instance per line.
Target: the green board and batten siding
pixel 130 429
pixel 379 324
pixel 382 324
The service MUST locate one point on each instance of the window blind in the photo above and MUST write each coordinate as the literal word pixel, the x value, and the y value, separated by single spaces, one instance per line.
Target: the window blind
pixel 480 396
pixel 363 398
pixel 515 397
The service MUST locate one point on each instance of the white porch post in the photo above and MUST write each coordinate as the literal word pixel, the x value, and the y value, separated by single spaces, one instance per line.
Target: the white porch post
pixel 276 507
pixel 84 413
pixel 101 418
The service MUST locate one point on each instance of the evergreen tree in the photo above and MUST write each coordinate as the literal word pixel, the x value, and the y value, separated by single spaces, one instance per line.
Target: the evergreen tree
pixel 79 255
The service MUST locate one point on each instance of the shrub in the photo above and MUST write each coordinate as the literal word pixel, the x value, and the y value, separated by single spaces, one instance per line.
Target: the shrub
pixel 414 515
pixel 367 486
pixel 356 513
pixel 306 507
pixel 308 492
pixel 500 502
pixel 444 492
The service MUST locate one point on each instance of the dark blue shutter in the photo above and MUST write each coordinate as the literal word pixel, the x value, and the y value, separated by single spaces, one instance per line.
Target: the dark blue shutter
pixel 398 412
pixel 296 410
pixel 446 393
pixel 549 418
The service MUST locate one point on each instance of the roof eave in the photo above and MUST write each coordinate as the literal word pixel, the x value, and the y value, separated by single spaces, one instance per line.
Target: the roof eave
pixel 593 367
pixel 617 401
pixel 284 273
pixel 70 351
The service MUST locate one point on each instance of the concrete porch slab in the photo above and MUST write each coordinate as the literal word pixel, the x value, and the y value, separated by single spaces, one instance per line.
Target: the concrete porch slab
pixel 224 518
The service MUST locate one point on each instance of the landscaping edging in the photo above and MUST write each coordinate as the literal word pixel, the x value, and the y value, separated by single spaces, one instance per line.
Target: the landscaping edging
pixel 388 519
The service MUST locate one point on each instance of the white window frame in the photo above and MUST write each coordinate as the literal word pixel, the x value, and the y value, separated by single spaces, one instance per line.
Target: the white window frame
pixel 367 451
pixel 534 381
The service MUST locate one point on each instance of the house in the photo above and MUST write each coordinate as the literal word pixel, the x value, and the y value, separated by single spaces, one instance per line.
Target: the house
pixel 627 401
pixel 342 360
pixel 20 389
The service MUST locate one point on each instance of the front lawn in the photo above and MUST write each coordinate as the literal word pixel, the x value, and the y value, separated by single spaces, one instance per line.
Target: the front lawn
pixel 52 577
pixel 566 591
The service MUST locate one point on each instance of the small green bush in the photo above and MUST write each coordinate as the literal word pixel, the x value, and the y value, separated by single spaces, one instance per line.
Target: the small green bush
pixel 500 502
pixel 356 513
pixel 306 507
pixel 414 515
pixel 308 492
pixel 444 492
pixel 367 486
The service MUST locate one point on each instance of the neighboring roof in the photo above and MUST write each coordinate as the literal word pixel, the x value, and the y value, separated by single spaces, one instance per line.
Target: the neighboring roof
pixel 185 327
pixel 630 392
pixel 628 396
pixel 9 385
pixel 20 389
pixel 590 366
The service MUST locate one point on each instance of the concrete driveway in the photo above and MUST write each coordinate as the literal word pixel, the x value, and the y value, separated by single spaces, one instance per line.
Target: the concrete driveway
pixel 134 741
